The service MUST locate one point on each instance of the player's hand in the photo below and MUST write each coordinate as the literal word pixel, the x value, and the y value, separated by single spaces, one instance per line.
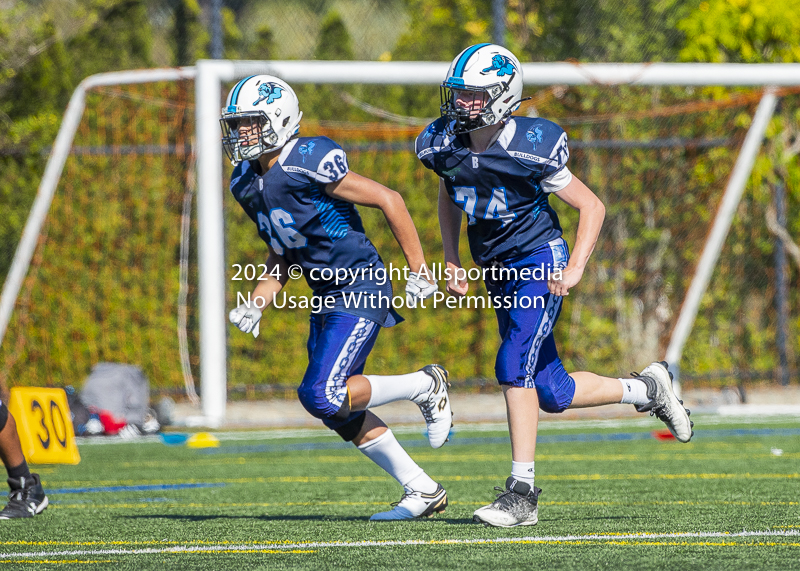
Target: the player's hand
pixel 570 277
pixel 455 285
pixel 418 288
pixel 246 318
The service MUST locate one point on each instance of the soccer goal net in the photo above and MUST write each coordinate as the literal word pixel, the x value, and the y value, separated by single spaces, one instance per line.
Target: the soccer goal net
pixel 135 258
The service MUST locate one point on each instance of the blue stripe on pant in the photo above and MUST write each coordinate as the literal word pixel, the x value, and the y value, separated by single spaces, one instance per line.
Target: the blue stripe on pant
pixel 528 356
pixel 338 347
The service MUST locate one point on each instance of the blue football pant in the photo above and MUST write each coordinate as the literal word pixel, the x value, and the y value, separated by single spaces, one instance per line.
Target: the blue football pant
pixel 528 356
pixel 338 347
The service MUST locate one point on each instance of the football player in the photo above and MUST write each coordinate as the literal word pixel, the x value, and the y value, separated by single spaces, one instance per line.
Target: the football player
pixel 26 497
pixel 301 194
pixel 501 170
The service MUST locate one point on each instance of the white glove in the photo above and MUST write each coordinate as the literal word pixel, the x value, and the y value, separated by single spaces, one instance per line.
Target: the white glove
pixel 246 318
pixel 417 288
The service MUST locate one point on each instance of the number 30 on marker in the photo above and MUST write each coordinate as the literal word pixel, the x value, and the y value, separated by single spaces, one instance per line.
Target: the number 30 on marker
pixel 44 425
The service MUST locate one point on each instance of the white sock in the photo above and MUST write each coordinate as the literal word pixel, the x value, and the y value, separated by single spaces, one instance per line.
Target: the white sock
pixel 634 391
pixel 391 388
pixel 523 471
pixel 422 483
pixel 387 453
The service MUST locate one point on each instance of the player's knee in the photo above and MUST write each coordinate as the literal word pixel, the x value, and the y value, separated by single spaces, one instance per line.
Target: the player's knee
pixel 4 414
pixel 508 374
pixel 554 399
pixel 308 398
pixel 506 370
pixel 315 402
pixel 350 429
pixel 550 401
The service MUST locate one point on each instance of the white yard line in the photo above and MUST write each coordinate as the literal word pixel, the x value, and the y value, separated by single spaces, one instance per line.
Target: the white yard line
pixel 249 548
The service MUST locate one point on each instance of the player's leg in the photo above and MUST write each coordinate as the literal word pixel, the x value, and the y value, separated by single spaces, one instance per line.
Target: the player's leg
pixel 339 345
pixel 427 388
pixel 595 390
pixel 10 447
pixel 422 496
pixel 517 503
pixel 651 390
pixel 522 408
pixel 26 498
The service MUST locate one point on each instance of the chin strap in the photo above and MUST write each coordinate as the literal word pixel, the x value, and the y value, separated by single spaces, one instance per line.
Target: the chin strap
pixel 514 106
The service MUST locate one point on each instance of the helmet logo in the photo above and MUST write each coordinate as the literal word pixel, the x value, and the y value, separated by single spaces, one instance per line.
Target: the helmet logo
pixel 306 150
pixel 502 64
pixel 268 91
pixel 534 135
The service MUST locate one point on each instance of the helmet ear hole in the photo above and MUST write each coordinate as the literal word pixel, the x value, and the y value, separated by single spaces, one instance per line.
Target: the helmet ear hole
pixel 286 121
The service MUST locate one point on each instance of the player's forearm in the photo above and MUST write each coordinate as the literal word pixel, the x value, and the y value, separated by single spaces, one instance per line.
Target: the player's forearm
pixel 277 276
pixel 590 221
pixel 450 227
pixel 266 290
pixel 402 226
pixel 366 192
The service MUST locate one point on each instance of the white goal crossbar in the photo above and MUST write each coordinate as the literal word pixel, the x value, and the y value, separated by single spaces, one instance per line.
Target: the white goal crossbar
pixel 209 76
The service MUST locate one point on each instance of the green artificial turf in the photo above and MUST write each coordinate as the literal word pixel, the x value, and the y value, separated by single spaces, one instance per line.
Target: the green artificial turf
pixel 267 503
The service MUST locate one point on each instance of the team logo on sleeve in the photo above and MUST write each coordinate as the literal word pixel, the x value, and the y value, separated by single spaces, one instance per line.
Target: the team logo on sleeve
pixel 306 149
pixel 268 91
pixel 502 65
pixel 535 136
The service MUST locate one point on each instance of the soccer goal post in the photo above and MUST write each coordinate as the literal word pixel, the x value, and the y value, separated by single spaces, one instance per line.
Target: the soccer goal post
pixel 211 78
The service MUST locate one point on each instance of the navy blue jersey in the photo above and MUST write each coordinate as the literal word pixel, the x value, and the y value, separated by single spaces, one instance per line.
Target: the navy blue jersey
pixel 307 227
pixel 501 188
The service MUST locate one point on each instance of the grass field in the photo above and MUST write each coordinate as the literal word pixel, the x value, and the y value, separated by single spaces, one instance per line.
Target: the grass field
pixel 613 497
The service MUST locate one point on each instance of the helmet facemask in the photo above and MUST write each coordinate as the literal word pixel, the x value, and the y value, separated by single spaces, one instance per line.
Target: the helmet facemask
pixel 247 135
pixel 470 107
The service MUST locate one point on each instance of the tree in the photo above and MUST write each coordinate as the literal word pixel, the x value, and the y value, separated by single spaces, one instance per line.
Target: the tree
pixel 440 29
pixel 189 37
pixel 232 38
pixel 264 46
pixel 742 31
pixel 334 42
pixel 122 39
pixel 44 59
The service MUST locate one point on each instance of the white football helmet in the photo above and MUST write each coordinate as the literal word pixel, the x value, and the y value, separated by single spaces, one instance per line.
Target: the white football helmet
pixel 483 87
pixel 260 115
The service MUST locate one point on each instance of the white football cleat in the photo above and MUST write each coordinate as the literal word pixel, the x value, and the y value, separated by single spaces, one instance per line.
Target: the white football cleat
pixel 516 504
pixel 415 505
pixel 435 406
pixel 663 402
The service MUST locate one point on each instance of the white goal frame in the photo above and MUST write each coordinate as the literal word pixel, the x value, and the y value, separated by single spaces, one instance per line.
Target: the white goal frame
pixel 209 76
